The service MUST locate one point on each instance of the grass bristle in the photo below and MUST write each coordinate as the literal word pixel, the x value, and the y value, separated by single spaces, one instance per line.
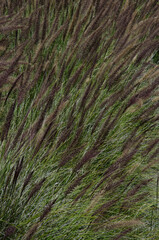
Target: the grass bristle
pixel 79 119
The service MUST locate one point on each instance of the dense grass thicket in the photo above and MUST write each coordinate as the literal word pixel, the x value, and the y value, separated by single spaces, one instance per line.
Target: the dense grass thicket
pixel 79 119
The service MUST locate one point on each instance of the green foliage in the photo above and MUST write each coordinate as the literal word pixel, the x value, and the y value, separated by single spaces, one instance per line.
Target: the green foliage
pixel 156 57
pixel 79 120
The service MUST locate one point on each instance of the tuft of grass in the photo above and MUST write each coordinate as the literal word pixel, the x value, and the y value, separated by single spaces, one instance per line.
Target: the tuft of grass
pixel 79 119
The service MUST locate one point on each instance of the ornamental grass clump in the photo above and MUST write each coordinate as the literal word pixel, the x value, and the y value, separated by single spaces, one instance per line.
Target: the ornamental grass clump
pixel 79 119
